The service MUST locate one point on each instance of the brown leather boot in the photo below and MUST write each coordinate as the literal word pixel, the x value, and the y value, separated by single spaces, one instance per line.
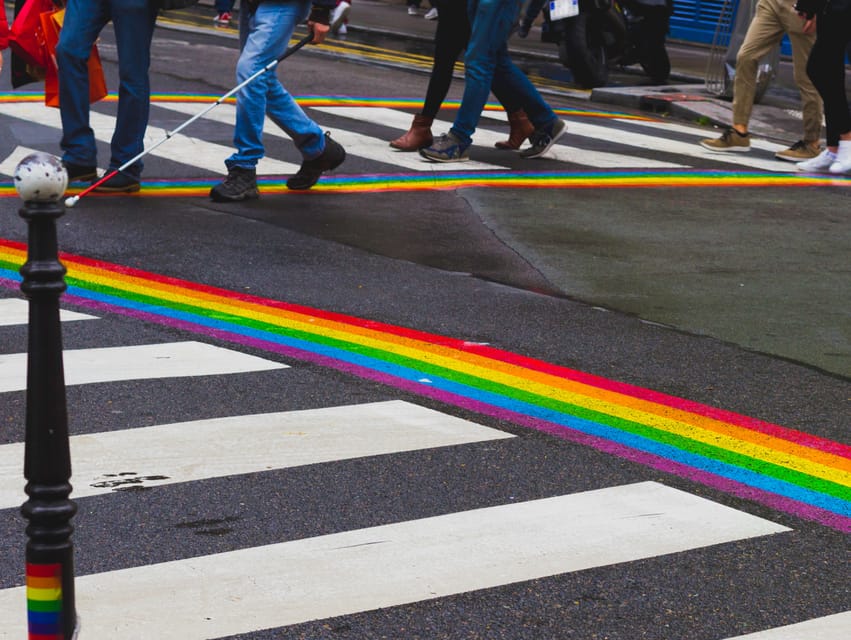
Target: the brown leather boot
pixel 521 128
pixel 417 137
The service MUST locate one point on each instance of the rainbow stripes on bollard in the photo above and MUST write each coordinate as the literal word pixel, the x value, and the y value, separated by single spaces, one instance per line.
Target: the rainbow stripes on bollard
pixel 44 601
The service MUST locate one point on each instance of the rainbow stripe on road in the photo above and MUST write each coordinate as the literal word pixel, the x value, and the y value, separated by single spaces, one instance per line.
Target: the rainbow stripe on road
pixel 787 470
pixel 442 181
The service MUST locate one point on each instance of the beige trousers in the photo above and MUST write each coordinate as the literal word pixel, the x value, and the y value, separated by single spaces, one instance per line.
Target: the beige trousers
pixel 772 19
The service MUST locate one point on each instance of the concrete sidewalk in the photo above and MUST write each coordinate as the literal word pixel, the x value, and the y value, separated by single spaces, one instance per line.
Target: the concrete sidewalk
pixel 777 117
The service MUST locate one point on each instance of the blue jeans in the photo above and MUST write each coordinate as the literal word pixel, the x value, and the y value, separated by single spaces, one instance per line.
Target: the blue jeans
pixel 264 36
pixel 224 6
pixel 487 62
pixel 133 21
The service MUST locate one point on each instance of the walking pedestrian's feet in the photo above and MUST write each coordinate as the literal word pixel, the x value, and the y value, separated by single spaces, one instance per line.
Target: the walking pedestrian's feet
pixel 311 170
pixel 222 19
pixel 799 151
pixel 541 140
pixel 119 183
pixel 79 172
pixel 819 164
pixel 842 164
pixel 413 11
pixel 730 140
pixel 431 14
pixel 340 13
pixel 240 184
pixel 446 148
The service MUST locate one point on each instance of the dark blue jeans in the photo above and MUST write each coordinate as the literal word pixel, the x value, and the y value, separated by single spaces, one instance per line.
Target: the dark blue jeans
pixel 487 62
pixel 133 21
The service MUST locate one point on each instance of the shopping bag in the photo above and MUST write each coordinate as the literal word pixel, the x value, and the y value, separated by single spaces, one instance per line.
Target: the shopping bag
pixel 26 37
pixel 51 23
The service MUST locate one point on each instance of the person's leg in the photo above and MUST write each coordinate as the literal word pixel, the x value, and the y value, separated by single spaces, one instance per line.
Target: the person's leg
pixel 764 34
pixel 133 21
pixel 264 35
pixel 826 70
pixel 450 38
pixel 84 20
pixel 811 103
pixel 491 22
pixel 281 107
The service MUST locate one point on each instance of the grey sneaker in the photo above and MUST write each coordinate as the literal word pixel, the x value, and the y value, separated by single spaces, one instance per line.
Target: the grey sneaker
pixel 821 163
pixel 446 148
pixel 730 140
pixel 543 139
pixel 240 184
pixel 332 156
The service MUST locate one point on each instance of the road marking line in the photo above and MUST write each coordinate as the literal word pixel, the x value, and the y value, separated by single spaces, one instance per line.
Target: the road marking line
pixel 180 148
pixel 189 451
pixel 833 627
pixel 15 311
pixel 395 564
pixel 484 137
pixel 356 144
pixel 168 360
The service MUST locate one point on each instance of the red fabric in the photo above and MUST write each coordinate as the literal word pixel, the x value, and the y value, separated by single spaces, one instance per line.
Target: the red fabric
pixel 4 28
pixel 26 37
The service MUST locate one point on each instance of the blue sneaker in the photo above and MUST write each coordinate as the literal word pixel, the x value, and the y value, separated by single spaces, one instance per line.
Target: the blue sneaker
pixel 446 148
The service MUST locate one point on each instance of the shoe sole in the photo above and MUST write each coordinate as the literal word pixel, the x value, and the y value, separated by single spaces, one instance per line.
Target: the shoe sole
pixel 86 177
pixel 727 149
pixel 127 189
pixel 217 197
pixel 792 158
pixel 430 159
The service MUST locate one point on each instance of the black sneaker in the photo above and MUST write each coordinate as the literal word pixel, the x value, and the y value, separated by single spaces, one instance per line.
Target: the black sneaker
pixel 542 139
pixel 308 175
pixel 80 172
pixel 119 183
pixel 241 184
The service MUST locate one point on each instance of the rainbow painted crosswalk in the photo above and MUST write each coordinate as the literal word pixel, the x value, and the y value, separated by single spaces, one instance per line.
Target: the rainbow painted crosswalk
pixel 788 470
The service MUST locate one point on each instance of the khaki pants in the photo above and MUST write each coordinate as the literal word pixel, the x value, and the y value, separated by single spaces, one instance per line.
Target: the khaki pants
pixel 772 19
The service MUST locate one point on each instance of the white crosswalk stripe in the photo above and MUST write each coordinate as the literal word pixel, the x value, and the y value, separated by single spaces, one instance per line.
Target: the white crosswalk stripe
pixel 178 359
pixel 180 148
pixel 171 453
pixel 362 570
pixel 15 311
pixel 644 143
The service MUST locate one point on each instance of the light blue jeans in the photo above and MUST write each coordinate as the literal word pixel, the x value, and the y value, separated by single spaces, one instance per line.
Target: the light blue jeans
pixel 264 36
pixel 487 62
pixel 133 21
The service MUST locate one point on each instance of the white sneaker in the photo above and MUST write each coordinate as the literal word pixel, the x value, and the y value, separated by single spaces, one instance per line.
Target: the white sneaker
pixel 412 11
pixel 842 164
pixel 431 14
pixel 820 163
pixel 343 30
pixel 338 15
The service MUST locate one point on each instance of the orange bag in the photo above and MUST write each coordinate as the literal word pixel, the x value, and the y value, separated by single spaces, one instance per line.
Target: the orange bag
pixel 51 24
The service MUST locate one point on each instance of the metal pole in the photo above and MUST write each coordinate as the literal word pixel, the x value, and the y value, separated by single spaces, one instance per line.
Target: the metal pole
pixel 51 612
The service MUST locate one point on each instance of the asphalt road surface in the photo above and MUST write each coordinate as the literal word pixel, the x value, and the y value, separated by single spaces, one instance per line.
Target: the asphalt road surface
pixel 404 405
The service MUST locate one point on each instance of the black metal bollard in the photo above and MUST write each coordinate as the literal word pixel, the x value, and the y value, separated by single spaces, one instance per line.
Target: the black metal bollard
pixel 40 181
